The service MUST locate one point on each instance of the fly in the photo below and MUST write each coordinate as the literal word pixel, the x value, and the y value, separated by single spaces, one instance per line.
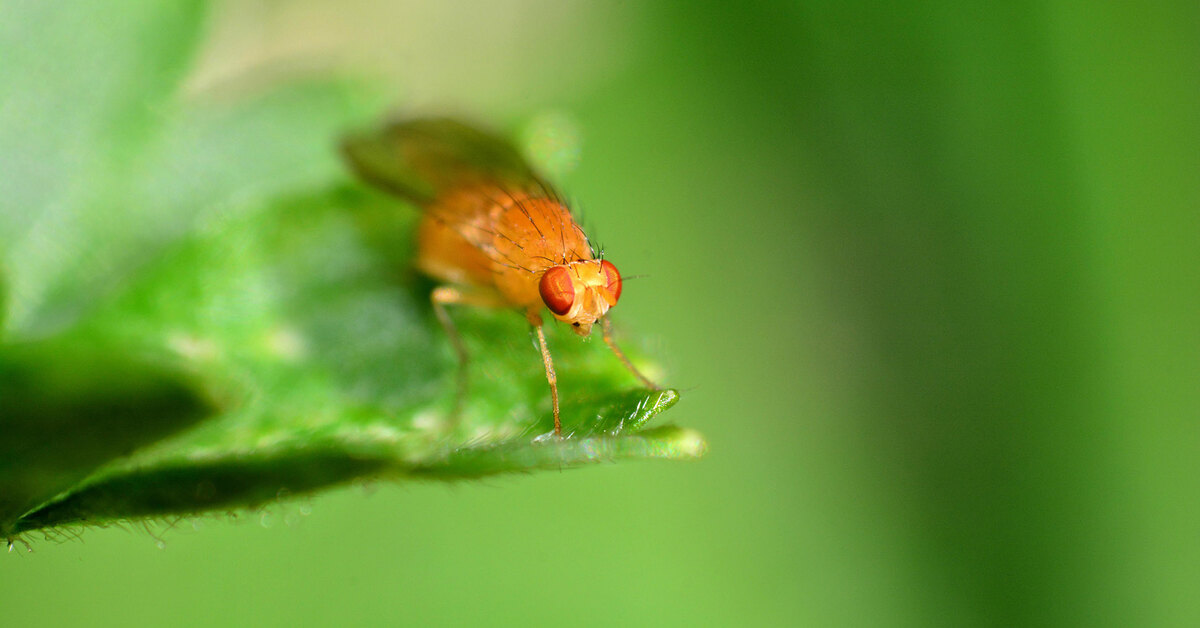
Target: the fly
pixel 492 231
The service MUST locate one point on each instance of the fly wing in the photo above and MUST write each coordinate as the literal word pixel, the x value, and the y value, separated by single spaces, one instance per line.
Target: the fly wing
pixel 422 159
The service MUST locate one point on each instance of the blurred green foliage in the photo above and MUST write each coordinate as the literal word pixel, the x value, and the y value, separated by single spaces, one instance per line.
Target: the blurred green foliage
pixel 927 272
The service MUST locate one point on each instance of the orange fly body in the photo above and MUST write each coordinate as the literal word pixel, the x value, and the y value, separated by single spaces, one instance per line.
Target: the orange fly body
pixel 493 231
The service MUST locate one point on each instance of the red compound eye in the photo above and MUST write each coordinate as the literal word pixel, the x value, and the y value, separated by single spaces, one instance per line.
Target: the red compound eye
pixel 557 291
pixel 612 280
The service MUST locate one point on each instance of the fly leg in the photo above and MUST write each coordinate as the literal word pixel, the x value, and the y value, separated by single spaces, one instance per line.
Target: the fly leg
pixel 451 295
pixel 608 340
pixel 535 319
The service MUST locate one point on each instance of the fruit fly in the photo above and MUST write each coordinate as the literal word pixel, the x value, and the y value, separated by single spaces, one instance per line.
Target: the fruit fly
pixel 493 231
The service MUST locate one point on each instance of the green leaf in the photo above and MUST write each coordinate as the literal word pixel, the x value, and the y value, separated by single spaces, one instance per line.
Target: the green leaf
pixel 69 406
pixel 205 480
pixel 227 318
pixel 333 367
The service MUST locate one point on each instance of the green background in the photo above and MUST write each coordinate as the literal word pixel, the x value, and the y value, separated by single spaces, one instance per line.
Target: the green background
pixel 925 273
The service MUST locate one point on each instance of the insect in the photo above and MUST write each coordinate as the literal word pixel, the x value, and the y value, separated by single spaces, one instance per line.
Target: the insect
pixel 493 231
